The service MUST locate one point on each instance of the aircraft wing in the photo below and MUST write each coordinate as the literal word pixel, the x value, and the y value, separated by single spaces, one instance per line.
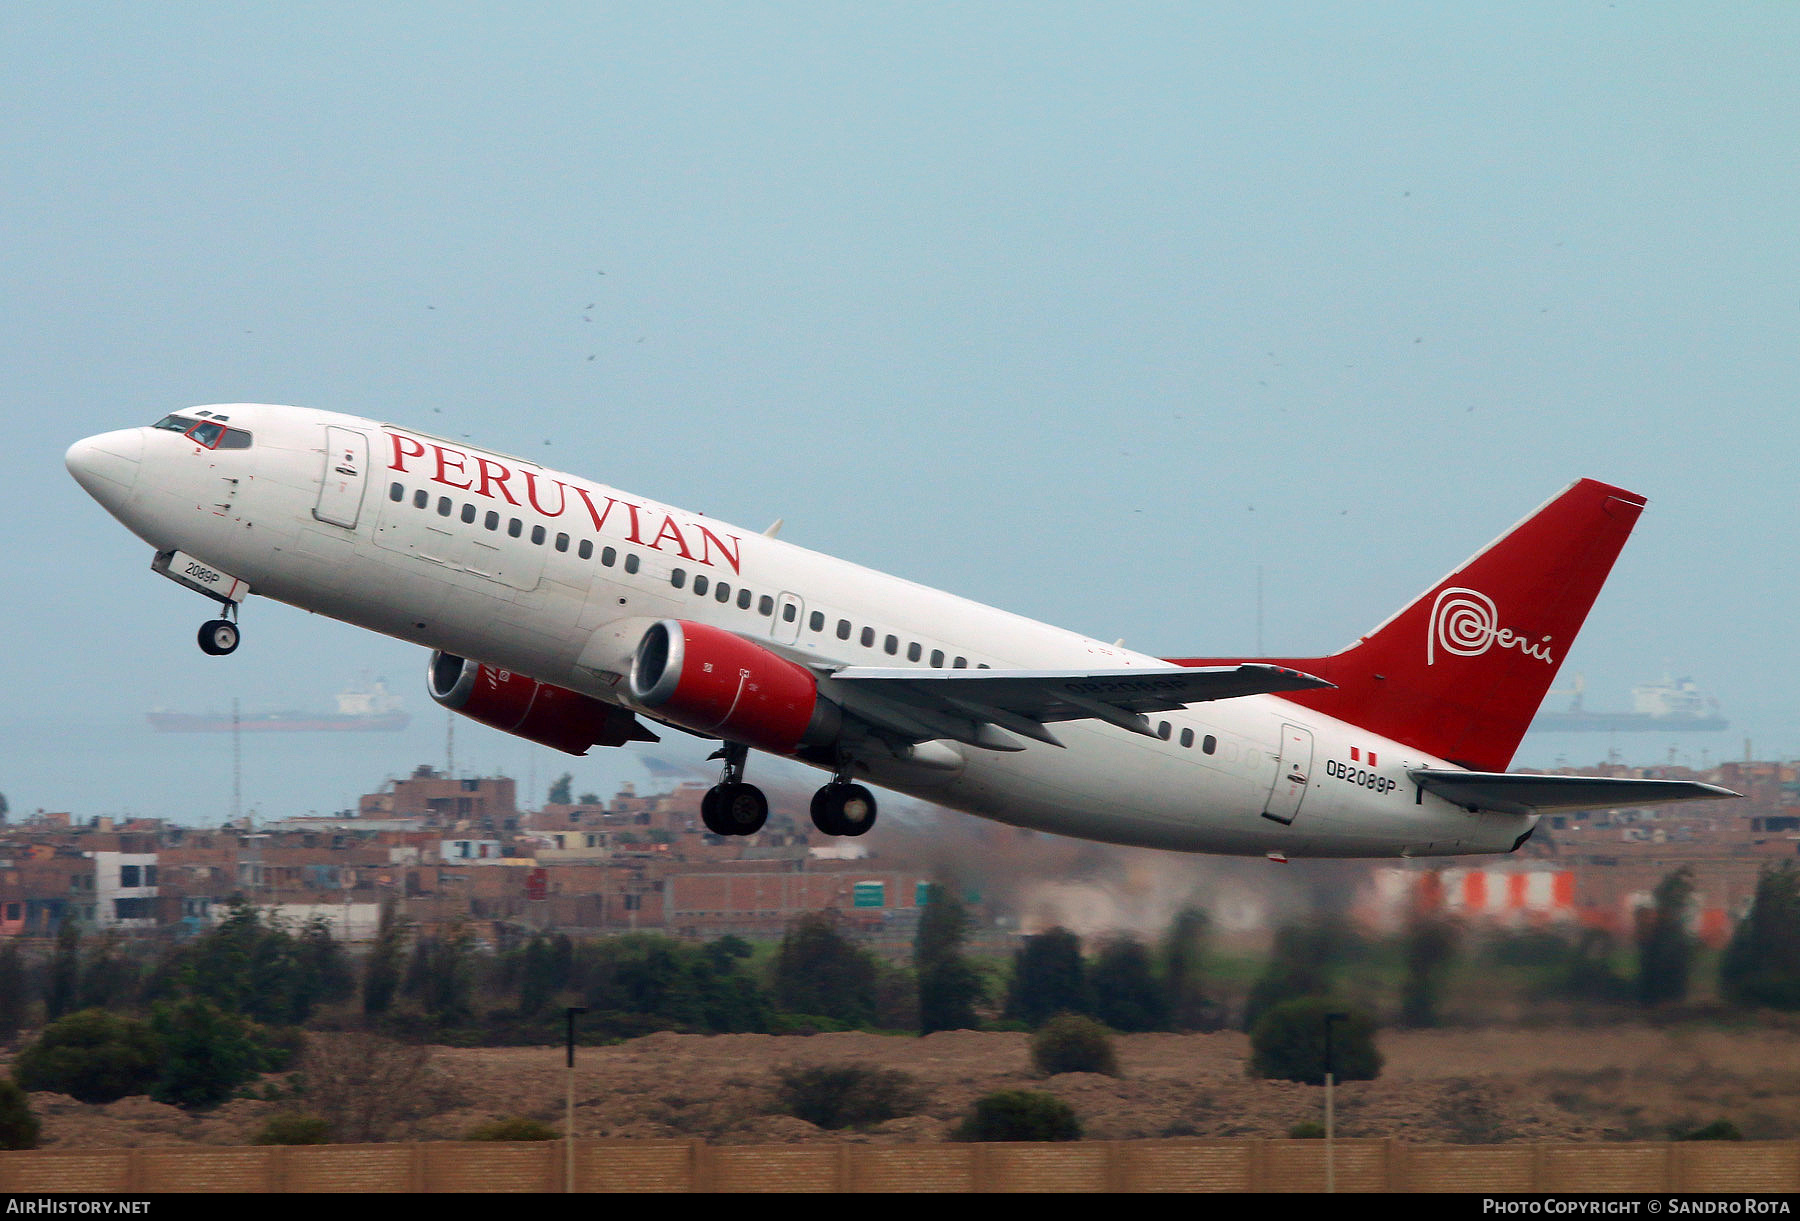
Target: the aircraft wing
pixel 986 708
pixel 1517 793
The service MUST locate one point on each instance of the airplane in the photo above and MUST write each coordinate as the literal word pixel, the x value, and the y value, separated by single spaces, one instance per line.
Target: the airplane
pixel 576 615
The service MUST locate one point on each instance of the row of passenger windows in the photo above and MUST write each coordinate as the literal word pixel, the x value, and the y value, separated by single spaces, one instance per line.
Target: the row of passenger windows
pixel 816 621
pixel 1209 744
pixel 515 528
pixel 721 591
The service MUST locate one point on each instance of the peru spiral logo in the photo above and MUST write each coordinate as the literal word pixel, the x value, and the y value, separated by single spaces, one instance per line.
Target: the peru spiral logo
pixel 1464 623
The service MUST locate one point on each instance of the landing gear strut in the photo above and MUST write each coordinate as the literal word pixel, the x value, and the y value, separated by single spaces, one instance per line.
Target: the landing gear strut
pixel 732 807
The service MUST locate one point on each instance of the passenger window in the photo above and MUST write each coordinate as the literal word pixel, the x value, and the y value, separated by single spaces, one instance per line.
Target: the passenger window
pixel 744 600
pixel 868 638
pixel 701 584
pixel 608 555
pixel 1187 737
pixel 1209 744
pixel 562 542
pixel 1162 730
pixel 444 506
pixel 421 498
pixel 961 663
pixel 722 592
pixel 586 550
pixel 765 605
pixel 816 621
pixel 631 562
pixel 891 645
pixel 468 514
pixel 492 520
pixel 396 493
pixel 537 535
pixel 678 578
pixel 937 659
pixel 843 631
pixel 913 651
pixel 514 527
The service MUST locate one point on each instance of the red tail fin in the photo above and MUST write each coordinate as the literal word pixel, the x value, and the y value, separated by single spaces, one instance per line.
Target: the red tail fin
pixel 1461 671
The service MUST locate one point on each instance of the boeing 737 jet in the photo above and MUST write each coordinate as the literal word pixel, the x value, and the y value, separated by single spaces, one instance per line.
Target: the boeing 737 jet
pixel 577 615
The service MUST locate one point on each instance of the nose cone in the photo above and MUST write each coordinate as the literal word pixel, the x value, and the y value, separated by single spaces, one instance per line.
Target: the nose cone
pixel 106 466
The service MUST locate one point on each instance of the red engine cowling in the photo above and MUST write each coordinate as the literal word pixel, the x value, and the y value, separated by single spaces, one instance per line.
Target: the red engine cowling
pixel 538 712
pixel 713 682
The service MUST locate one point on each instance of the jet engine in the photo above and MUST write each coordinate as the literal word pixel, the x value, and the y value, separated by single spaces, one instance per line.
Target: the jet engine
pixel 538 712
pixel 713 682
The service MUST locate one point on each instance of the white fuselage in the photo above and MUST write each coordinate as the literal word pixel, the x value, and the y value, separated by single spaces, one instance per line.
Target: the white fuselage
pixel 415 537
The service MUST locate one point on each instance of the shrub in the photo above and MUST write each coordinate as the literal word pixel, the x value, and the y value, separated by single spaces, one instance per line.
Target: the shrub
pixel 1020 1115
pixel 1071 1043
pixel 1309 1129
pixel 92 1056
pixel 1288 1043
pixel 294 1128
pixel 514 1127
pixel 18 1126
pixel 1718 1129
pixel 846 1095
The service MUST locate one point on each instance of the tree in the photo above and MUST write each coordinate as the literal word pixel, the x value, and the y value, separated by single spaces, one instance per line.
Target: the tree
pixel 381 972
pixel 92 1056
pixel 365 1086
pixel 819 971
pixel 559 790
pixel 1300 964
pixel 206 1053
pixel 1127 994
pixel 13 999
pixel 1665 950
pixel 1183 958
pixel 1048 978
pixel 18 1126
pixel 949 986
pixel 1288 1043
pixel 64 982
pixel 1430 946
pixel 1762 961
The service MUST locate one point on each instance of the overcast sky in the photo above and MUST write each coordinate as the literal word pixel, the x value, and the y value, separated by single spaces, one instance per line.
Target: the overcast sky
pixel 1088 311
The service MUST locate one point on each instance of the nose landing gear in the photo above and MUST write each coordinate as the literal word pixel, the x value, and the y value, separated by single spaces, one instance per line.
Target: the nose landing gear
pixel 220 636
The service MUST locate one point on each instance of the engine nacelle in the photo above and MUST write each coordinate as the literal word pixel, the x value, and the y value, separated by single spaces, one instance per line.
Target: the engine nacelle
pixel 538 712
pixel 716 683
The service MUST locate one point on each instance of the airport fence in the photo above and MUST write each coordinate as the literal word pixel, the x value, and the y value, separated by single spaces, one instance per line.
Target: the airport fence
pixel 1113 1166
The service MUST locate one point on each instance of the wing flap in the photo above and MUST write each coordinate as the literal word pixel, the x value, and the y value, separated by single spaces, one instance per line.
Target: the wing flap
pixel 1025 702
pixel 1521 793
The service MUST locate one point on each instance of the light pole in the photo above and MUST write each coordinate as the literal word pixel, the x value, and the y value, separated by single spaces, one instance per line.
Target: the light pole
pixel 1330 1116
pixel 569 1106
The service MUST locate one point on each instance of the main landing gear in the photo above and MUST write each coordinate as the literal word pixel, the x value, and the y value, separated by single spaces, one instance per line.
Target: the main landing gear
pixel 732 807
pixel 843 808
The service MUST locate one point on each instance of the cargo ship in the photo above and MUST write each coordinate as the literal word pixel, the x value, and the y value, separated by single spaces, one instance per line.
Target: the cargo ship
pixel 359 710
pixel 1674 704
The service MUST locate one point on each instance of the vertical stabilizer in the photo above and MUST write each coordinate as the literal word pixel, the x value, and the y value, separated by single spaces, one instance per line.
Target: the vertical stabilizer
pixel 1461 671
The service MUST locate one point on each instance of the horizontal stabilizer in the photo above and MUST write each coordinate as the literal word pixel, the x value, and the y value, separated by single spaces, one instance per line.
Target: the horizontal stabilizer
pixel 1521 793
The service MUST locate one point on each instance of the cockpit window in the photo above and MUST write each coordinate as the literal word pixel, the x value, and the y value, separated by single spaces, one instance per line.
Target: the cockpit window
pixel 211 433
